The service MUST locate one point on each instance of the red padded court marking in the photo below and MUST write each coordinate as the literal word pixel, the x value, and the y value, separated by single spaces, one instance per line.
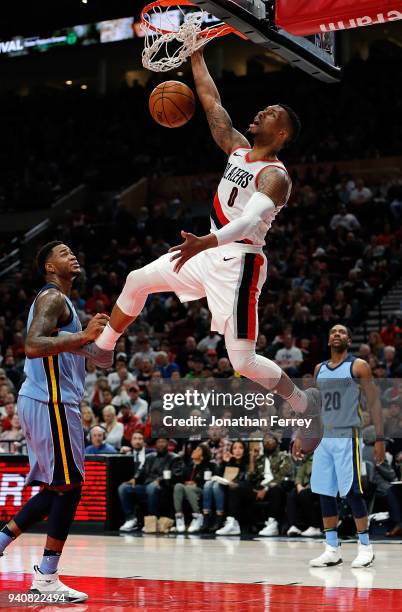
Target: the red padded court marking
pixel 167 595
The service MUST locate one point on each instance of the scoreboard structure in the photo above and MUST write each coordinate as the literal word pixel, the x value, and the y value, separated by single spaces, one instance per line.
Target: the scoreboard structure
pixel 99 508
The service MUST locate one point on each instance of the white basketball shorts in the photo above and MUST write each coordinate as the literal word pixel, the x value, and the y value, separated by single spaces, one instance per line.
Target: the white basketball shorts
pixel 230 277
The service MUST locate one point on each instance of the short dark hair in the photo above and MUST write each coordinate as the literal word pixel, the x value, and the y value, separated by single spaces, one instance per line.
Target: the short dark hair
pixel 44 254
pixel 295 124
pixel 348 330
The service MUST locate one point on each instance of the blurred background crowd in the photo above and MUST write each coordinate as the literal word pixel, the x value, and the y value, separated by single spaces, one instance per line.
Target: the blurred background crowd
pixel 332 254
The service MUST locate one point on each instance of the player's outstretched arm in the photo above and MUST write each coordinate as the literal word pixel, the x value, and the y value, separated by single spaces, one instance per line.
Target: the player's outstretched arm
pixel 274 188
pixel 223 132
pixel 49 309
pixel 362 371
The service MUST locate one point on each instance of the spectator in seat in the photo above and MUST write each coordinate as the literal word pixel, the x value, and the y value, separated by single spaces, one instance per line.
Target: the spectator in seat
pixel 376 344
pixel 130 395
pixel 14 434
pixel 130 422
pixel 146 352
pixel 343 219
pixel 290 356
pixel 139 452
pixel 364 352
pixel 9 410
pixel 98 445
pixel 97 296
pixel 120 378
pixel 384 476
pixel 302 505
pixel 152 487
pixel 393 423
pixel 209 342
pixel 88 420
pixel 361 194
pixel 389 331
pixel 4 380
pixel 196 366
pixel 235 468
pixel 212 361
pixel 194 477
pixel 113 428
pixel 225 369
pixel 162 364
pixel 268 472
pixel 391 364
pixel 12 372
pixel 144 377
pixel 398 347
pixel 217 444
pixel 102 396
pixel 91 377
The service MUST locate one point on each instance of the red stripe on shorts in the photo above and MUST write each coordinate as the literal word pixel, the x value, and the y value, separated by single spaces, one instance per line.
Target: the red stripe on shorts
pixel 252 303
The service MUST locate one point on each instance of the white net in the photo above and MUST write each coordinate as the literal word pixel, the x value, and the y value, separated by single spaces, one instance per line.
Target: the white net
pixel 167 51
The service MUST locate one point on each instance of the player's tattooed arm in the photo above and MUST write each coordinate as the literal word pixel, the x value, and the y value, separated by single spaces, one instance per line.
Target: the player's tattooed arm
pixel 49 310
pixel 276 184
pixel 220 123
pixel 362 371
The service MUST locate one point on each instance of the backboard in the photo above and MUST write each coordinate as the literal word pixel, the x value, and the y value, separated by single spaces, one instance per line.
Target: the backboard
pixel 255 18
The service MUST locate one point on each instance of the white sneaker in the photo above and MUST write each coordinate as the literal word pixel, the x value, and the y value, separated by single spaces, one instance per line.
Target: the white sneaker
pixel 196 523
pixel 51 584
pixel 330 557
pixel 311 532
pixel 231 527
pixel 180 524
pixel 129 525
pixel 270 529
pixel 365 556
pixel 293 531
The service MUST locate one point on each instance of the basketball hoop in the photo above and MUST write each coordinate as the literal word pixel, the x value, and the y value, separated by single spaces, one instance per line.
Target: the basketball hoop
pixel 172 34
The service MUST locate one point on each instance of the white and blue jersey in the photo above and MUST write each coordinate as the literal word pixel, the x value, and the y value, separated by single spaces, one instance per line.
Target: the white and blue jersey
pixel 337 459
pixel 48 408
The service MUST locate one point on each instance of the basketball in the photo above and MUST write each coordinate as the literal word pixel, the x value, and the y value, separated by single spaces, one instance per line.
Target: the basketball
pixel 172 104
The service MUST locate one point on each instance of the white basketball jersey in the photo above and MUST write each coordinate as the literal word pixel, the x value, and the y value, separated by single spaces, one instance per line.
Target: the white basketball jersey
pixel 238 183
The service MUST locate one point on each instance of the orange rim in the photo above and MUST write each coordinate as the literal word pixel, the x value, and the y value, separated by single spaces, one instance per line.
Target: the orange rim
pixel 211 32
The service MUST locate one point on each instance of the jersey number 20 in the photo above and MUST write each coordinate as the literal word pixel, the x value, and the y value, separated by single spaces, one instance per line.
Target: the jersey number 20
pixel 332 401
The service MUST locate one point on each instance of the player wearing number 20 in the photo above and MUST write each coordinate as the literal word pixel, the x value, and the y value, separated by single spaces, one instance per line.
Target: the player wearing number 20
pixel 337 459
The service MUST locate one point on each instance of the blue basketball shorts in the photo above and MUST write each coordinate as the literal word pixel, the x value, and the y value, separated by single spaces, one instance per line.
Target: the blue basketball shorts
pixel 337 466
pixel 55 441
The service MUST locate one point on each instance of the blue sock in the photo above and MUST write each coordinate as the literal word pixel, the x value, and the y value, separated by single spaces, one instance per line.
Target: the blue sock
pixel 50 561
pixel 331 537
pixel 364 537
pixel 5 540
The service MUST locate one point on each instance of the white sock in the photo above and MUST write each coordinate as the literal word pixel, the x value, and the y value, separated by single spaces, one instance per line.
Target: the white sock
pixel 297 400
pixel 108 338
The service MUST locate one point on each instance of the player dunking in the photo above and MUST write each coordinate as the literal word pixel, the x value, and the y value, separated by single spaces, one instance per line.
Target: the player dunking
pixel 337 459
pixel 228 265
pixel 48 408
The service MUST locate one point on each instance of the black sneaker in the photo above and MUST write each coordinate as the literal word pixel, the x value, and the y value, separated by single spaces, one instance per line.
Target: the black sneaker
pixel 217 524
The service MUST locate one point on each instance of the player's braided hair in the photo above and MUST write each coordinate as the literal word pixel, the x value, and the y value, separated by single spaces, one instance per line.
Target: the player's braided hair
pixel 44 254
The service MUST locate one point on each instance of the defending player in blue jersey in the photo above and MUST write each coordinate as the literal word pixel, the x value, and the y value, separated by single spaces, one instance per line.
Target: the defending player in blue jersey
pixel 48 408
pixel 337 459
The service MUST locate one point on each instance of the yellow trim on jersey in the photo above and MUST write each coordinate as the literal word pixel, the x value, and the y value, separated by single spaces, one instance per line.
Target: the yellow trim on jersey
pixel 358 462
pixel 58 419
